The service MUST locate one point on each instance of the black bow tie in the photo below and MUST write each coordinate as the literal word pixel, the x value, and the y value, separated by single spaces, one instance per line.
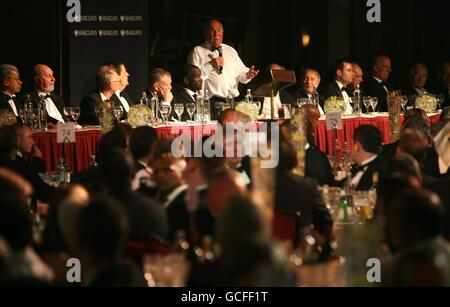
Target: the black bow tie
pixel 45 97
pixel 343 89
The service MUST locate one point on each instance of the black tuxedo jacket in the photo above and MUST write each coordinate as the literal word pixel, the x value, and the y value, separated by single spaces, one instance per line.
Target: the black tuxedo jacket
pixel 128 99
pixel 57 100
pixel 4 102
pixel 297 93
pixel 379 165
pixel 295 193
pixel 375 89
pixel 331 89
pixel 318 166
pixel 181 96
pixel 88 104
pixel 145 215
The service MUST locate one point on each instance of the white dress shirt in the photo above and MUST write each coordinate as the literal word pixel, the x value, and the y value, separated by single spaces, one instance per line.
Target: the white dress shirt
pixel 125 104
pixel 13 105
pixel 51 108
pixel 358 176
pixel 381 81
pixel 349 109
pixel 234 70
pixel 322 113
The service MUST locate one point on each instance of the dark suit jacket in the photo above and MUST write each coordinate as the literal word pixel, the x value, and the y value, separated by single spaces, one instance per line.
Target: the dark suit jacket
pixel 178 215
pixel 379 165
pixel 181 96
pixel 145 216
pixel 57 100
pixel 297 93
pixel 42 191
pixel 295 193
pixel 4 102
pixel 127 97
pixel 331 89
pixel 441 188
pixel 318 166
pixel 88 104
pixel 375 89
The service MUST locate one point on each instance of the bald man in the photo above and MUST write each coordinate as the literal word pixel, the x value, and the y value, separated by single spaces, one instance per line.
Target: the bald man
pixel 220 63
pixel 44 87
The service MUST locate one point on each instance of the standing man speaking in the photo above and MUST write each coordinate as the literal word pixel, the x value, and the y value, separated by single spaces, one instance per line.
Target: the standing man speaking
pixel 220 64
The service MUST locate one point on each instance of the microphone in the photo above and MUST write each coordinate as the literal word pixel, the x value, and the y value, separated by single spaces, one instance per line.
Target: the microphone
pixel 220 55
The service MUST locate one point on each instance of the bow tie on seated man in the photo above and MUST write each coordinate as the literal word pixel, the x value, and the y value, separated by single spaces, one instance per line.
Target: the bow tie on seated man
pixel 365 153
pixel 10 86
pixel 44 84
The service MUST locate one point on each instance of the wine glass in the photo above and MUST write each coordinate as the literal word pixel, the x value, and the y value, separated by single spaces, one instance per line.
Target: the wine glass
pixel 403 102
pixel 190 108
pixel 97 111
pixel 367 102
pixel 118 112
pixel 439 100
pixel 165 111
pixel 179 109
pixel 374 103
pixel 66 111
pixel 75 113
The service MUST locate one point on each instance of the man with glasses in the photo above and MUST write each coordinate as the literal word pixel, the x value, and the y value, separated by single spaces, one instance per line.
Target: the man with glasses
pixel 108 83
pixel 10 86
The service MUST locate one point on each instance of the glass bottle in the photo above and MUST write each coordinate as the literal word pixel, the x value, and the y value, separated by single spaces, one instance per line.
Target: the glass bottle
pixel 230 99
pixel 93 162
pixel 357 101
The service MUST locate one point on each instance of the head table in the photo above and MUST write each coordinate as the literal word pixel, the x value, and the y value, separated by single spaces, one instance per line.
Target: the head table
pixel 79 154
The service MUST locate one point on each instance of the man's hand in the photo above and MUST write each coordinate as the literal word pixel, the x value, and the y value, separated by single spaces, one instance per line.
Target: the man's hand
pixel 36 152
pixel 252 73
pixel 217 62
pixel 168 96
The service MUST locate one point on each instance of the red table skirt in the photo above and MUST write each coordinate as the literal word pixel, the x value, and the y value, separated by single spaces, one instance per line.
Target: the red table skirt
pixel 79 153
pixel 324 138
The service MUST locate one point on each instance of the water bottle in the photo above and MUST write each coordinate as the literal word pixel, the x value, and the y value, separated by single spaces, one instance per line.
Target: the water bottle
pixel 154 102
pixel 248 96
pixel 61 170
pixel 357 101
pixel 230 99
pixel 206 106
pixel 93 162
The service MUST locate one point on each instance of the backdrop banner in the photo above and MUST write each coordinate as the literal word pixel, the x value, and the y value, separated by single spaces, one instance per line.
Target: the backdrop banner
pixel 99 32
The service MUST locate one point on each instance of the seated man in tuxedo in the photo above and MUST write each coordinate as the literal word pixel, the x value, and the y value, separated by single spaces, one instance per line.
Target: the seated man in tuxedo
pixel 307 86
pixel 142 143
pixel 44 86
pixel 342 72
pixel 27 149
pixel 444 83
pixel 108 83
pixel 358 79
pixel 365 153
pixel 301 194
pixel 160 85
pixel 375 85
pixel 168 175
pixel 418 76
pixel 317 163
pixel 125 99
pixel 186 91
pixel 10 86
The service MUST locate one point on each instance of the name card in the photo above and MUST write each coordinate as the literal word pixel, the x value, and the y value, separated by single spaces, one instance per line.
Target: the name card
pixel 334 121
pixel 65 133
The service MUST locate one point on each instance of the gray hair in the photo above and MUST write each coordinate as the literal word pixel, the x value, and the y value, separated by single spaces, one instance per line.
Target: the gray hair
pixel 157 74
pixel 104 77
pixel 6 71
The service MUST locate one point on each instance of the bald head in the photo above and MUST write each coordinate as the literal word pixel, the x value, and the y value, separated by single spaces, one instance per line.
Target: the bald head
pixel 44 80
pixel 382 67
pixel 214 33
